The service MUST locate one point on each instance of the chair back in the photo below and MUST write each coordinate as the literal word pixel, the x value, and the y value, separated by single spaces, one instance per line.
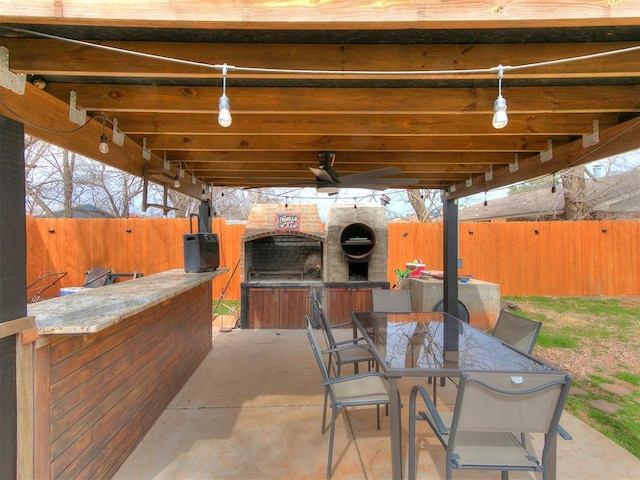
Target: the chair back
pixel 326 327
pixel 518 332
pixel 509 402
pixel 395 301
pixel 316 351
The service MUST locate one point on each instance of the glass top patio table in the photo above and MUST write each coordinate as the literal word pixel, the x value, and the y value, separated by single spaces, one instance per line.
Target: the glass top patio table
pixel 412 344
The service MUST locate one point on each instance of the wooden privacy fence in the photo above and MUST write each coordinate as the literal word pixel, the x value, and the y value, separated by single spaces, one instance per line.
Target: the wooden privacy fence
pixel 526 258
pixel 123 245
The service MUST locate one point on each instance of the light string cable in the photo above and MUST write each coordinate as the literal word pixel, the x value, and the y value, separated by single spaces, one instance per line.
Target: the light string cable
pixel 221 67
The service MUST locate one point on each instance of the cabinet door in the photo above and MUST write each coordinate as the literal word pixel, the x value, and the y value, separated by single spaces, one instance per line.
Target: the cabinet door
pixel 264 308
pixel 338 306
pixel 295 303
pixel 342 301
pixel 361 300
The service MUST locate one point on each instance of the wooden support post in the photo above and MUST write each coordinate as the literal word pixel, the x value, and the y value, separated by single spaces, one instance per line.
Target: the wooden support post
pixel 13 283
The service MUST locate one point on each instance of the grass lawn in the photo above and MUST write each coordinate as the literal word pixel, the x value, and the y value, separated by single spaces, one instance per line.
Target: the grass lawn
pixel 597 340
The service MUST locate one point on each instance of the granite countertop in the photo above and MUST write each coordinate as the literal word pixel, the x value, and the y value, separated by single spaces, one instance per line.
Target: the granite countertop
pixel 91 310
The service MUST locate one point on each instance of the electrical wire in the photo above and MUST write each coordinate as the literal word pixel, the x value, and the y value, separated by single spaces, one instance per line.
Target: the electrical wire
pixel 225 66
pixel 50 130
pixel 408 73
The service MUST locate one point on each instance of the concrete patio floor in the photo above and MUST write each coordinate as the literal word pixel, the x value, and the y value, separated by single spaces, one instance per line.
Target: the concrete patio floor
pixel 253 410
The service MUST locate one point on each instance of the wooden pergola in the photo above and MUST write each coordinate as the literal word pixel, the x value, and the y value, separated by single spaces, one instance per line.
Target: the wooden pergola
pixel 405 85
pixel 409 85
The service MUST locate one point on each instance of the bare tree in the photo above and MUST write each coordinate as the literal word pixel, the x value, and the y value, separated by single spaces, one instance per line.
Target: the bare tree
pixel 424 202
pixel 58 181
pixel 110 189
pixel 575 188
pixel 49 178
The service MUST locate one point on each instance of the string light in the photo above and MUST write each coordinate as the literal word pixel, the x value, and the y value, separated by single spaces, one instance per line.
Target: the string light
pixel 500 118
pixel 104 141
pixel 485 199
pixel 224 113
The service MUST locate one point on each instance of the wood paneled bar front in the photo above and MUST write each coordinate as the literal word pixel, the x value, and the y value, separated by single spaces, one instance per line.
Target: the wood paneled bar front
pixel 101 366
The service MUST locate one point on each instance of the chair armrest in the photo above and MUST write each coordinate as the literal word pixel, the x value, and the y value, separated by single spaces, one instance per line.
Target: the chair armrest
pixel 351 340
pixel 432 416
pixel 563 433
pixel 346 347
pixel 348 378
pixel 340 325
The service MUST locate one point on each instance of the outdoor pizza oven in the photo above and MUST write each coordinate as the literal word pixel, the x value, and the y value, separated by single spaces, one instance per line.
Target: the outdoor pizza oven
pixel 356 244
pixel 290 260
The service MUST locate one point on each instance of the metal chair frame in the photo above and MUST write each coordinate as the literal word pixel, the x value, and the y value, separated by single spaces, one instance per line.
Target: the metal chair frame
pixel 489 407
pixel 369 388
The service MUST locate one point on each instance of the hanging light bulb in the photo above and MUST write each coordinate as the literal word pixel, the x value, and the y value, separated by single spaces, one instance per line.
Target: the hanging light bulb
pixel 104 141
pixel 224 112
pixel 485 199
pixel 176 182
pixel 500 118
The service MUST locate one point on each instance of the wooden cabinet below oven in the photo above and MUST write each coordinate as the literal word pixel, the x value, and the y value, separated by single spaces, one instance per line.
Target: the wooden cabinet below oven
pixel 277 307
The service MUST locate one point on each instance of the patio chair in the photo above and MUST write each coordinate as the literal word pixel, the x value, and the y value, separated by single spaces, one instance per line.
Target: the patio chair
pixel 369 388
pixel 395 301
pixel 352 351
pixel 489 406
pixel 516 331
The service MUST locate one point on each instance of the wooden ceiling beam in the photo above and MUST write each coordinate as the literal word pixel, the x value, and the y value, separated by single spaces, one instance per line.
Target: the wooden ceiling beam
pixel 47 118
pixel 115 98
pixel 346 14
pixel 55 57
pixel 612 141
pixel 278 169
pixel 361 125
pixel 359 158
pixel 380 143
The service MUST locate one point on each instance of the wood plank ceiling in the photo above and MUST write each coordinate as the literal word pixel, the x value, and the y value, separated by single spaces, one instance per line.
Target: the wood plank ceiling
pixel 320 81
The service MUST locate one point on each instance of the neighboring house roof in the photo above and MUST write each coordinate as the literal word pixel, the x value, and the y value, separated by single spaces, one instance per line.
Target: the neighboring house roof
pixel 614 194
pixel 84 211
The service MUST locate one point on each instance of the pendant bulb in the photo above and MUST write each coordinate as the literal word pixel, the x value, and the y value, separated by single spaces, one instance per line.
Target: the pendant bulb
pixel 104 141
pixel 224 113
pixel 224 107
pixel 104 144
pixel 500 118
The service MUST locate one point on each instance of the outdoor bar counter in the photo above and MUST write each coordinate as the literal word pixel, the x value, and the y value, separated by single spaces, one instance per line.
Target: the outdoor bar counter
pixel 100 367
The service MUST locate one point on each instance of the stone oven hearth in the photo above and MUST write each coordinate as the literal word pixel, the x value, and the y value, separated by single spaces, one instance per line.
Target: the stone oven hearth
pixel 290 259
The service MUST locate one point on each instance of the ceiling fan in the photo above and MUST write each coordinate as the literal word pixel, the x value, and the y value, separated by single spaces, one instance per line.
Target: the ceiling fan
pixel 329 181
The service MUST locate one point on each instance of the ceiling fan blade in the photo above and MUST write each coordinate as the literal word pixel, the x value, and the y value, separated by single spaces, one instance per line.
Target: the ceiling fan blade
pixel 381 172
pixel 381 183
pixel 395 182
pixel 322 175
